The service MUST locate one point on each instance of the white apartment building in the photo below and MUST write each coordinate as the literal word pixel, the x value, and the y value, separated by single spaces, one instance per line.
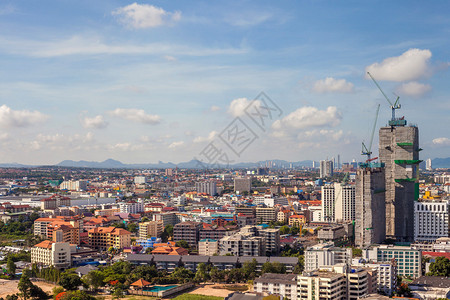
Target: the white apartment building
pixel 70 185
pixel 270 201
pixel 386 276
pixel 431 220
pixel 323 255
pixel 284 285
pixel 208 247
pixel 49 253
pixel 207 187
pixel 408 260
pixel 132 207
pixel 338 202
pixel 140 180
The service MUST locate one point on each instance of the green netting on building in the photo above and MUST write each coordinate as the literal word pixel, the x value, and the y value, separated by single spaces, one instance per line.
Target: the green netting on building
pixel 407 161
pixel 405 180
pixel 404 144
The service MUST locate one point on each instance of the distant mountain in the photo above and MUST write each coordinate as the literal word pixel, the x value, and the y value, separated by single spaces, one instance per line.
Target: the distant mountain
pixel 440 163
pixel 193 164
pixel 14 165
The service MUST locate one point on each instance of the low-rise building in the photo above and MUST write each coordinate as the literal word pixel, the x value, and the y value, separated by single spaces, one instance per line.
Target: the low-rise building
pixel 284 285
pixel 105 237
pixel 208 247
pixel 151 229
pixel 49 253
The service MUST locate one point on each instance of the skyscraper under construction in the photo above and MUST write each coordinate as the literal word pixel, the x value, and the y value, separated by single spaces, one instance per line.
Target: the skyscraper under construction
pixel 399 151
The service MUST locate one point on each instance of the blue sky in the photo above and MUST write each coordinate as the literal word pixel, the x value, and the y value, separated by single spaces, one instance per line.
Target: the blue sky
pixel 159 80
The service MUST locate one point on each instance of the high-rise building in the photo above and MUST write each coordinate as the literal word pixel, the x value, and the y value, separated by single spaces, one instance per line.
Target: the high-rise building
pixel 326 168
pixel 321 255
pixel 370 222
pixel 207 187
pixel 399 151
pixel 187 231
pixel 431 220
pixel 338 202
pixel 428 165
pixel 243 184
pixel 150 229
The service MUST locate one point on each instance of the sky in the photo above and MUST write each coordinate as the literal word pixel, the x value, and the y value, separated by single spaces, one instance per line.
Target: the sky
pixel 149 81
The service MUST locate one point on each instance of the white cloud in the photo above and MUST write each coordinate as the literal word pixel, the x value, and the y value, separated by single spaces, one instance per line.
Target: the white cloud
pixel 94 45
pixel 136 115
pixel 19 118
pixel 215 108
pixel 210 137
pixel 331 84
pixel 169 58
pixel 411 65
pixel 442 141
pixel 4 137
pixel 322 134
pixel 414 89
pixel 237 106
pixel 61 142
pixel 97 122
pixel 141 16
pixel 308 116
pixel 249 19
pixel 175 145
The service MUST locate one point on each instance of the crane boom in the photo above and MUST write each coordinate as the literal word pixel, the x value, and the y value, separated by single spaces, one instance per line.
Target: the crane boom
pixel 365 150
pixel 376 83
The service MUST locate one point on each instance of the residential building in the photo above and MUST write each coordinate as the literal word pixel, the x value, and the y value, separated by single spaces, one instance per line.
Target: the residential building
pixel 326 255
pixel 242 245
pixel 73 185
pixel 208 247
pixel 54 202
pixel 326 168
pixel 150 229
pixel 242 184
pixel 399 151
pixel 266 214
pixel 284 285
pixel 49 253
pixel 297 220
pixel 132 207
pixel 206 187
pixel 105 237
pixel 408 259
pixel 187 231
pixel 370 206
pixel 428 165
pixel 321 285
pixel 386 276
pixel 431 220
pixel 338 202
pixel 140 180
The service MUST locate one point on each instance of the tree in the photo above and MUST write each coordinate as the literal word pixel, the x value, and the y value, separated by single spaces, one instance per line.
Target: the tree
pixel 182 275
pixel 183 244
pixel 133 227
pixel 94 279
pixel 441 267
pixel 357 252
pixel 295 230
pixel 57 290
pixel 284 229
pixel 249 269
pixel 11 266
pixel 70 281
pixel 202 273
pixel 27 290
pixel 145 219
pixel 77 295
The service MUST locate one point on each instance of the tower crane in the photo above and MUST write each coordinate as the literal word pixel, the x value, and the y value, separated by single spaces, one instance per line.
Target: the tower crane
pixel 394 106
pixel 368 150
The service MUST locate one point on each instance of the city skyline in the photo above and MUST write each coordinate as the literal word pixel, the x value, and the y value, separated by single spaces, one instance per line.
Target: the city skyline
pixel 149 81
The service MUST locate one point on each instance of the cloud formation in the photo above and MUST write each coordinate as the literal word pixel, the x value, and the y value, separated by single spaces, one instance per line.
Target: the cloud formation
pixel 411 65
pixel 175 145
pixel 414 89
pixel 442 141
pixel 136 115
pixel 237 106
pixel 307 117
pixel 140 16
pixel 215 108
pixel 96 122
pixel 330 85
pixel 210 137
pixel 20 118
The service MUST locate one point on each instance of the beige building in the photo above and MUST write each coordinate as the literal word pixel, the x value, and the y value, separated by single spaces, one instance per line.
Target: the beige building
pixel 151 229
pixel 208 247
pixel 266 214
pixel 321 285
pixel 105 237
pixel 48 253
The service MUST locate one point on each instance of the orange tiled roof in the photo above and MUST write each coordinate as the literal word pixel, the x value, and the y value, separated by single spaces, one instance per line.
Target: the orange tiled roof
pixel 141 283
pixel 44 244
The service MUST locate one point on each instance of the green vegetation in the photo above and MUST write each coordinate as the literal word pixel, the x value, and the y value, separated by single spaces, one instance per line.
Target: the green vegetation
pixel 441 267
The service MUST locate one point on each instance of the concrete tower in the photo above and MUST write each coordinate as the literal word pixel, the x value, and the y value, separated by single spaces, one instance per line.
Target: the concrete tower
pixel 399 151
pixel 370 223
